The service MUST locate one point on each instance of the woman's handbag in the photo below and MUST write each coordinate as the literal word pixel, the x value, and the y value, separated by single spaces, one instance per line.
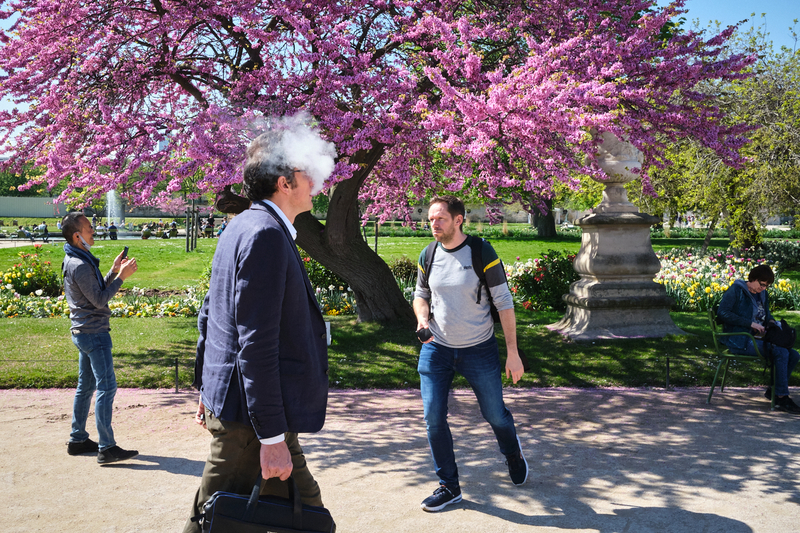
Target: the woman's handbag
pixel 235 513
pixel 782 334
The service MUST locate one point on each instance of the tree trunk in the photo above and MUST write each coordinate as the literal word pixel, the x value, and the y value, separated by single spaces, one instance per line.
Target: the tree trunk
pixel 338 245
pixel 710 233
pixel 545 223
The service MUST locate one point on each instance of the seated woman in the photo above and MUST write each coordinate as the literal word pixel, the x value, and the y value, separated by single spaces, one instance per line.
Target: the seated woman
pixel 745 308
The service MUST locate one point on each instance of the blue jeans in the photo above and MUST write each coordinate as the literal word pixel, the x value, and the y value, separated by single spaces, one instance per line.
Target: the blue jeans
pixel 480 365
pixel 95 372
pixel 785 361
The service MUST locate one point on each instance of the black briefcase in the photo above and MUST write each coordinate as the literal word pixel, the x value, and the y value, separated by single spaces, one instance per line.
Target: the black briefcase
pixel 235 513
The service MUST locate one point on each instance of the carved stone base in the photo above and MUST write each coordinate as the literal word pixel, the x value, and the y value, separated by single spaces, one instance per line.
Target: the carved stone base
pixel 616 296
pixel 605 316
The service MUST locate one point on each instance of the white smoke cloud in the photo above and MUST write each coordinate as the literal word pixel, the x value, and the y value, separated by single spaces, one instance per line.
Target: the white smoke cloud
pixel 302 147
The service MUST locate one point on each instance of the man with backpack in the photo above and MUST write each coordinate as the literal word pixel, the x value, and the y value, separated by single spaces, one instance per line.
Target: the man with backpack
pixel 460 279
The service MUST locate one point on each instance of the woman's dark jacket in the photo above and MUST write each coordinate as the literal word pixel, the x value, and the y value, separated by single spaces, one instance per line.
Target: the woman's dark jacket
pixel 736 313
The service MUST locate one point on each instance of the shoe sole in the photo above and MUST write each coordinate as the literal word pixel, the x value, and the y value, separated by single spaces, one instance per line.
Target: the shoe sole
pixel 115 460
pixel 527 469
pixel 442 506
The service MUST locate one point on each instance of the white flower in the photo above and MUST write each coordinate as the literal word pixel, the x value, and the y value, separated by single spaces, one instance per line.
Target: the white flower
pixel 39 292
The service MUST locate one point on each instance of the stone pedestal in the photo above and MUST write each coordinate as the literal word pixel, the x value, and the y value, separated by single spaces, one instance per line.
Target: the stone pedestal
pixel 616 296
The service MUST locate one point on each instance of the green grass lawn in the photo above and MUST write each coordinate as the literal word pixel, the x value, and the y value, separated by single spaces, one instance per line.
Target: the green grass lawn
pixel 8 222
pixel 508 250
pixel 39 353
pixel 163 263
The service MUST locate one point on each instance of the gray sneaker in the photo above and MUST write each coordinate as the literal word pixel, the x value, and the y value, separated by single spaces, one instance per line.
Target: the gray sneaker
pixel 441 498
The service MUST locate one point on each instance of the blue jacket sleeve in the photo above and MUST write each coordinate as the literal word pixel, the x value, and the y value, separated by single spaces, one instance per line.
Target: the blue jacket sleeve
pixel 730 309
pixel 202 328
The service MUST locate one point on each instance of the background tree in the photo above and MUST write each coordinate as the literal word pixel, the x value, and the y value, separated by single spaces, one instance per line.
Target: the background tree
pixel 768 183
pixel 10 182
pixel 507 92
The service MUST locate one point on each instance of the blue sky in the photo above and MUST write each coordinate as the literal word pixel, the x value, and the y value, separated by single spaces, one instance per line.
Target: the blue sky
pixel 779 15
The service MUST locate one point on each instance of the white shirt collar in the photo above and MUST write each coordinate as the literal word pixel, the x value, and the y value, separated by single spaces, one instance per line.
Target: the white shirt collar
pixel 289 226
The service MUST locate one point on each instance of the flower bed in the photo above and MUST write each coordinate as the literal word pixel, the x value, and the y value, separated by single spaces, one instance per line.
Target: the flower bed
pixel 13 304
pixel 697 283
pixel 32 275
pixel 334 302
pixel 540 283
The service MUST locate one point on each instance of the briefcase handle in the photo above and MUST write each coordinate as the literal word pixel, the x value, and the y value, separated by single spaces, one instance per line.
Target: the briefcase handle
pixel 294 497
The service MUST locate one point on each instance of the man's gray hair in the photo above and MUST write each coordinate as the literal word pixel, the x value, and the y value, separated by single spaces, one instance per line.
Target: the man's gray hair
pixel 265 163
pixel 289 143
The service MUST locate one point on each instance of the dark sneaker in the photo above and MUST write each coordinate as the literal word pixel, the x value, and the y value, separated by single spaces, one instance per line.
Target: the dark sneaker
pixel 517 466
pixel 441 498
pixel 768 394
pixel 787 404
pixel 79 448
pixel 115 454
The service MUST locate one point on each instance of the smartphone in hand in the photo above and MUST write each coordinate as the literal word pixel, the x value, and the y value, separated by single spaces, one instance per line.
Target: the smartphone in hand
pixel 125 252
pixel 424 334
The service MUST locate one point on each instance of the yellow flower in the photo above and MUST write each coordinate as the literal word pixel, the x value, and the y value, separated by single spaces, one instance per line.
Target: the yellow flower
pixel 28 275
pixel 708 290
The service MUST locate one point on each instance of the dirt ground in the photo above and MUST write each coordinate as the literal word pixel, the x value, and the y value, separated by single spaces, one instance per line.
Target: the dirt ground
pixel 608 460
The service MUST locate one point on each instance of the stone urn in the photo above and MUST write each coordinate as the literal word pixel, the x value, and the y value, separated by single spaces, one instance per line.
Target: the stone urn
pixel 616 296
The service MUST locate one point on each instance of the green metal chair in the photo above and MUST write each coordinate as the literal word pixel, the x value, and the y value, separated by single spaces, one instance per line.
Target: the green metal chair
pixel 726 356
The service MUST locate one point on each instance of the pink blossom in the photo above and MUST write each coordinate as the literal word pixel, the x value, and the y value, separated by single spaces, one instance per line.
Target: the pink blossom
pixel 401 87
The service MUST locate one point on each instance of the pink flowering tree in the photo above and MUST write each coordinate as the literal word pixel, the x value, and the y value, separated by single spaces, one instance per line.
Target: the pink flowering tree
pixel 496 99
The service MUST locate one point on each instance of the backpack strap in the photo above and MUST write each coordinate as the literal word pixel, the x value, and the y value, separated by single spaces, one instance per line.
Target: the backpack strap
pixel 430 251
pixel 476 247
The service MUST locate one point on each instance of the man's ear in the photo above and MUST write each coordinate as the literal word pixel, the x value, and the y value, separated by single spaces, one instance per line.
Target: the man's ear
pixel 283 184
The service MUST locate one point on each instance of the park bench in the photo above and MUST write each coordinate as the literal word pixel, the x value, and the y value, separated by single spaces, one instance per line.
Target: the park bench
pixel 21 235
pixel 726 356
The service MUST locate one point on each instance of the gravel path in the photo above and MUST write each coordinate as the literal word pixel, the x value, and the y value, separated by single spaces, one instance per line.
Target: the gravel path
pixel 609 460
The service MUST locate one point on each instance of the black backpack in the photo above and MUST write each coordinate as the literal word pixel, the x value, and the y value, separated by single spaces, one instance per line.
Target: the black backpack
pixel 476 247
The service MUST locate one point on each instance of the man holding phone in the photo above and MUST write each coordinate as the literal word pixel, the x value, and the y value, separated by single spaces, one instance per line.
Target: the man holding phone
pixel 88 294
pixel 455 325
